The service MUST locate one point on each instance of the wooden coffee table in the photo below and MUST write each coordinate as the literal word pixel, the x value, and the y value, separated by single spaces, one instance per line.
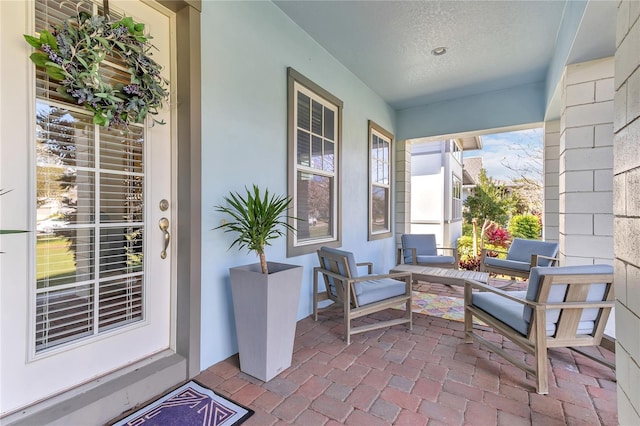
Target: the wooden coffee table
pixel 446 276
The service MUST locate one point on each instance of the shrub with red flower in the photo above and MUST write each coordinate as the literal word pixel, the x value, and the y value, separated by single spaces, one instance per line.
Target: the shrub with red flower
pixel 498 236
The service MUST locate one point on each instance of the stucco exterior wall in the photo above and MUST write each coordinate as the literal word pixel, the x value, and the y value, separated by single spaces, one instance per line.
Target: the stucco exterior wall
pixel 246 49
pixel 626 191
pixel 585 166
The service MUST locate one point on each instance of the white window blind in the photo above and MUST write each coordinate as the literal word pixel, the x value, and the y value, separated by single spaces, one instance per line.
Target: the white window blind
pixel 90 210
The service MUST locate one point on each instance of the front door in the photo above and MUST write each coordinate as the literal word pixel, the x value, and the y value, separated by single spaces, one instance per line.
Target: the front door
pixel 88 290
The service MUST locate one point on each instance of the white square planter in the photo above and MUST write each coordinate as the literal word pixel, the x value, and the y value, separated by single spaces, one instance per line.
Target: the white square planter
pixel 265 309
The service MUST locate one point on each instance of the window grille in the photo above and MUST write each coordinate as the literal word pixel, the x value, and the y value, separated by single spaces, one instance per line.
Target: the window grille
pixel 380 173
pixel 314 158
pixel 456 208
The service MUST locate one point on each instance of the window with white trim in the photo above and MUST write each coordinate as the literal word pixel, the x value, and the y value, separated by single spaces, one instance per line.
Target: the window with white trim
pixel 380 181
pixel 314 162
pixel 456 198
pixel 455 150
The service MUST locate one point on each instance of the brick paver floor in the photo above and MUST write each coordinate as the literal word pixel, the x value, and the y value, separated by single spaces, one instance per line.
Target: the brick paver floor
pixel 426 376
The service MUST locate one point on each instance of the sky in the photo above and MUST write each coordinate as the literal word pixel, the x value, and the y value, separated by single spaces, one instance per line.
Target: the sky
pixel 521 150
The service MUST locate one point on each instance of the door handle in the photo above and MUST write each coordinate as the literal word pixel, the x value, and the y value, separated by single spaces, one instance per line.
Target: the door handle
pixel 164 227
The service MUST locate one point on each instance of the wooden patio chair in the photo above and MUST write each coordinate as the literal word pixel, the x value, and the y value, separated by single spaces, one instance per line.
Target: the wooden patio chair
pixel 421 249
pixel 522 255
pixel 360 295
pixel 563 307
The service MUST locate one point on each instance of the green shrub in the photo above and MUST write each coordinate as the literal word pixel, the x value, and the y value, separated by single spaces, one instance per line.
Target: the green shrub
pixel 465 247
pixel 467 229
pixel 525 226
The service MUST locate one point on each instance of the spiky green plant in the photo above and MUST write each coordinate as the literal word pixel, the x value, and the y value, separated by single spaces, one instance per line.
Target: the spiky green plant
pixel 257 219
pixel 9 231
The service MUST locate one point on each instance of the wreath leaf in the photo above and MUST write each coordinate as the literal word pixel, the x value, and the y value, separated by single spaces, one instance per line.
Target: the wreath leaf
pixel 47 38
pixel 103 41
pixel 33 41
pixel 54 73
pixel 39 58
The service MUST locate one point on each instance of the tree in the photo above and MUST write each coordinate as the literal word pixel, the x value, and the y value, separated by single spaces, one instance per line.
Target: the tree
pixel 488 202
pixel 488 205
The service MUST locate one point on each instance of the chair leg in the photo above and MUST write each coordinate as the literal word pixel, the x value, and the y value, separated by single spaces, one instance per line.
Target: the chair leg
pixel 468 327
pixel 409 314
pixel 542 360
pixel 347 318
pixel 315 295
pixel 468 317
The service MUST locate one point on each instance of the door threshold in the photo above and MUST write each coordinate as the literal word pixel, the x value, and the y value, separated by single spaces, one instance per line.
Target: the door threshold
pixel 105 398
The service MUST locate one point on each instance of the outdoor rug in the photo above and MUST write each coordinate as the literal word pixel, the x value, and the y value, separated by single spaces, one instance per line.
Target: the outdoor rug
pixel 450 308
pixel 189 405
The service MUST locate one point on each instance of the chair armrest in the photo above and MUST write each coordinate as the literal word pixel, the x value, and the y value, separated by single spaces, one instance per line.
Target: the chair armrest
pixel 395 275
pixel 414 258
pixel 446 248
pixel 454 251
pixel 369 266
pixel 536 257
pixel 471 284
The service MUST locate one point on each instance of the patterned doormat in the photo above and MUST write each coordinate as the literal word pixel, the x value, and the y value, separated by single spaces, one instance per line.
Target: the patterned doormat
pixel 189 405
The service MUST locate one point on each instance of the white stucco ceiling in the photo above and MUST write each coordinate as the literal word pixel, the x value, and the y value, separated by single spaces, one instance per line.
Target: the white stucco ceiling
pixel 491 44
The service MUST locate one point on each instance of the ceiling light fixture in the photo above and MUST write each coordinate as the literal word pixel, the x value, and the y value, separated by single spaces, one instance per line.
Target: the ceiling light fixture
pixel 439 51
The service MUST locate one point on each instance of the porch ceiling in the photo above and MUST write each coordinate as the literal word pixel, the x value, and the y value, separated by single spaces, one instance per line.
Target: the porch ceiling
pixel 491 45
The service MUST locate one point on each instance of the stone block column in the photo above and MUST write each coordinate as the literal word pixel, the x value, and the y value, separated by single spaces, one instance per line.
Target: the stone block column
pixel 626 191
pixel 551 209
pixel 585 163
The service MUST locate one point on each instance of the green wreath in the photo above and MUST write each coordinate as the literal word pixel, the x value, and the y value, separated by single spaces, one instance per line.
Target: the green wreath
pixel 72 53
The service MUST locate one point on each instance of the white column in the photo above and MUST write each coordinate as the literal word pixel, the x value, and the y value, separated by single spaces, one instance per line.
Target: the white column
pixel 585 166
pixel 626 208
pixel 551 216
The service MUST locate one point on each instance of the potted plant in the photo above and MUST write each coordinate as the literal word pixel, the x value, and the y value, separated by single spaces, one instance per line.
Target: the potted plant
pixel 265 294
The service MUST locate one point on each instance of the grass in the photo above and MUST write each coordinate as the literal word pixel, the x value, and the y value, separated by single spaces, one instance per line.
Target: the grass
pixel 54 259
